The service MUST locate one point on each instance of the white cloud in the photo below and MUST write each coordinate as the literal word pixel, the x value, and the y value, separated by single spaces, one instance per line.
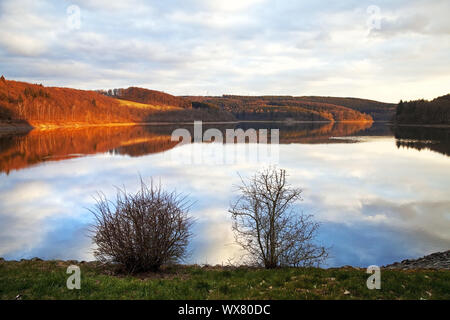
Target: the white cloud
pixel 241 47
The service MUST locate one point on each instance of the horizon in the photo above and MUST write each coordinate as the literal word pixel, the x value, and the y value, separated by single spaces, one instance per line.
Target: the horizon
pixel 228 94
pixel 366 50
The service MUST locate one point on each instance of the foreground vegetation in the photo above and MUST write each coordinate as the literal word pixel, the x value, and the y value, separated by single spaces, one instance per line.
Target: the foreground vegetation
pixel 47 280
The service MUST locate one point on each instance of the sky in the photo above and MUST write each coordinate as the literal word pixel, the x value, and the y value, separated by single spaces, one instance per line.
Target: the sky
pixel 381 50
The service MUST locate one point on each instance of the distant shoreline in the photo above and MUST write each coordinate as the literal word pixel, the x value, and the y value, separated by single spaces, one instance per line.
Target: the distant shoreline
pixel 420 125
pixel 20 127
pixel 12 126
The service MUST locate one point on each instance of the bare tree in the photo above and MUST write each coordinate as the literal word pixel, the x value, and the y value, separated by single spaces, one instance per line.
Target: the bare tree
pixel 142 231
pixel 267 227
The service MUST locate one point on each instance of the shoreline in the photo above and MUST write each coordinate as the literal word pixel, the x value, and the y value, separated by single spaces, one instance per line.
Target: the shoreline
pixel 21 127
pixel 441 126
pixel 432 261
pixel 18 126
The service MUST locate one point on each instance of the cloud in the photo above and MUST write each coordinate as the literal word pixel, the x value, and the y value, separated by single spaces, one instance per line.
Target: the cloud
pixel 240 47
pixel 20 44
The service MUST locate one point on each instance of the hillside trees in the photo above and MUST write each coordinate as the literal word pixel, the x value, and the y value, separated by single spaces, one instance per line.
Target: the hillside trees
pixel 436 111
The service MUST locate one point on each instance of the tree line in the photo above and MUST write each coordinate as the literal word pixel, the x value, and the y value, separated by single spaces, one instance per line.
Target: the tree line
pixel 436 111
pixel 273 108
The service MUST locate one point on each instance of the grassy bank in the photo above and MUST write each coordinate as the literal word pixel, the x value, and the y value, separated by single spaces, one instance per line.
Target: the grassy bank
pixel 47 280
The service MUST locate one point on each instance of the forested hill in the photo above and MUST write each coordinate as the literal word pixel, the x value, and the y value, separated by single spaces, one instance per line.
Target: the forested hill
pixel 283 108
pixel 436 111
pixel 38 106
pixel 379 111
pixel 147 96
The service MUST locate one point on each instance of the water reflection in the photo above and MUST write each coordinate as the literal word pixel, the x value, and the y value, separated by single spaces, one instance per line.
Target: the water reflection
pixel 18 151
pixel 377 202
pixel 428 138
pixel 26 149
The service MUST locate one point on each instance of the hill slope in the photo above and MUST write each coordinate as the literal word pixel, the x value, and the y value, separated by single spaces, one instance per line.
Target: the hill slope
pixel 39 105
pixel 147 96
pixel 36 104
pixel 282 108
pixel 379 111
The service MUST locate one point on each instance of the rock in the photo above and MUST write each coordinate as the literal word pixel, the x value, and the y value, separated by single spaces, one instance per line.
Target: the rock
pixel 437 260
pixel 36 259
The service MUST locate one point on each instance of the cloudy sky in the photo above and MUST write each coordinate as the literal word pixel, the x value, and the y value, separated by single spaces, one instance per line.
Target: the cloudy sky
pixel 383 50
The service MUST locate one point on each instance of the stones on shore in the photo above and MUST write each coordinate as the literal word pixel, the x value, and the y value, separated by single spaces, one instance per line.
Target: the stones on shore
pixel 438 260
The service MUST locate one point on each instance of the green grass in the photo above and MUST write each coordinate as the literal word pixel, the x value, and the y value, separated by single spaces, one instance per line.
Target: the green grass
pixel 47 280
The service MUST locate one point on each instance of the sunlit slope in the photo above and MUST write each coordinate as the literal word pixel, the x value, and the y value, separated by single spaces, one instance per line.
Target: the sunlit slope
pixel 37 105
pixel 147 96
pixel 53 106
pixel 133 104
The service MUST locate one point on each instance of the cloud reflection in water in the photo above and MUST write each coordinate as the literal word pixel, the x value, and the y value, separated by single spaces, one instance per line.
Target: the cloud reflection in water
pixel 377 203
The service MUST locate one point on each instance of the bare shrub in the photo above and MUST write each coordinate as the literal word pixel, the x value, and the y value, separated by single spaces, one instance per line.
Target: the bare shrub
pixel 266 226
pixel 142 231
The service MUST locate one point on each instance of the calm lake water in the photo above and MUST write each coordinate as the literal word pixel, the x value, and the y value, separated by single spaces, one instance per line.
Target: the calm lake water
pixel 381 195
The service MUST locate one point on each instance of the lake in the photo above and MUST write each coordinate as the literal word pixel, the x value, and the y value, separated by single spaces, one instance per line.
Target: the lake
pixel 381 194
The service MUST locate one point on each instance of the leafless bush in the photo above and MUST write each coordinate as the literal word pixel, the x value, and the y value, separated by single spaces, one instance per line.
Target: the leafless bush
pixel 142 231
pixel 266 226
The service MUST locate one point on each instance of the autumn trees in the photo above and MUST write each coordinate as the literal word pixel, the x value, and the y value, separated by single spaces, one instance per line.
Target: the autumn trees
pixel 278 108
pixel 21 101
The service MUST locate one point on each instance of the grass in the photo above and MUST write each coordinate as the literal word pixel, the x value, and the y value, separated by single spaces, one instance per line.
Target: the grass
pixel 146 106
pixel 47 280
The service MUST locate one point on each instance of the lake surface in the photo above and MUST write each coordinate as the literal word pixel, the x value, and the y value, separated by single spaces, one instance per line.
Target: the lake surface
pixel 381 195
